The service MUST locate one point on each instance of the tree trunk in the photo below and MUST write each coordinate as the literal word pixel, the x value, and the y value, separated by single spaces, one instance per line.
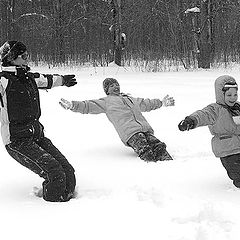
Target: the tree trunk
pixel 117 48
pixel 14 31
pixel 9 29
pixel 204 60
pixel 4 20
pixel 57 40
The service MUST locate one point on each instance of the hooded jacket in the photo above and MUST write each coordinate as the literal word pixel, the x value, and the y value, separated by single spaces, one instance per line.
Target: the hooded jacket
pixel 123 111
pixel 20 105
pixel 226 134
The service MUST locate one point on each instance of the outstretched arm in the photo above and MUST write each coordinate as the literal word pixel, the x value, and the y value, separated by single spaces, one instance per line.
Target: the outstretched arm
pixel 147 104
pixel 204 117
pixel 47 81
pixel 84 107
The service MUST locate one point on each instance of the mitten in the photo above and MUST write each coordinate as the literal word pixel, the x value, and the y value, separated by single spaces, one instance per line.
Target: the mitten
pixel 187 124
pixel 65 104
pixel 69 80
pixel 168 101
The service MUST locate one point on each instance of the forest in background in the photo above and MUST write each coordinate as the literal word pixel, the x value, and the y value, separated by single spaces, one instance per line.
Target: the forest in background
pixel 158 32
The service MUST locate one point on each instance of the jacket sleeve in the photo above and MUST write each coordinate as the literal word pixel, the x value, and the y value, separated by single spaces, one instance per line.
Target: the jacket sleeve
pixel 47 81
pixel 147 104
pixel 206 116
pixel 89 106
pixel 3 86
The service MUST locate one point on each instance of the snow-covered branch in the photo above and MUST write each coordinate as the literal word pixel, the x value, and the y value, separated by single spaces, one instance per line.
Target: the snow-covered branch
pixel 30 15
pixel 193 10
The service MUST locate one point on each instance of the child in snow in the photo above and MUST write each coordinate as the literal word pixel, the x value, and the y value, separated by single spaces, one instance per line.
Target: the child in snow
pixel 22 133
pixel 223 120
pixel 124 112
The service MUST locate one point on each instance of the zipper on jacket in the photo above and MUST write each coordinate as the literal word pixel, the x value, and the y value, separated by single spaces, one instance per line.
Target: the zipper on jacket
pixel 125 102
pixel 33 130
pixel 31 91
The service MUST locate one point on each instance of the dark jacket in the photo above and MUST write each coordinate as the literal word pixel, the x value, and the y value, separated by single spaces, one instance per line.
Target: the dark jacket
pixel 20 104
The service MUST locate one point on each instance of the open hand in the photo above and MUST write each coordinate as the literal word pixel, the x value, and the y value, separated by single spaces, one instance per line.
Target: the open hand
pixel 168 101
pixel 65 104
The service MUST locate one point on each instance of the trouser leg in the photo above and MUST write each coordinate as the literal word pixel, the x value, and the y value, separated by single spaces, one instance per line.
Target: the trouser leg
pixel 232 165
pixel 48 146
pixel 140 145
pixel 158 147
pixel 32 156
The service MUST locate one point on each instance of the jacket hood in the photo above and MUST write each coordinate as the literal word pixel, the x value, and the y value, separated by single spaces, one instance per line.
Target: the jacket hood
pixel 220 82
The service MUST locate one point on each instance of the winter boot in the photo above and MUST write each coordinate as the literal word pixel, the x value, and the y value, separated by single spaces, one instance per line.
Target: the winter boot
pixel 165 156
pixel 161 153
pixel 148 156
pixel 141 146
pixel 159 149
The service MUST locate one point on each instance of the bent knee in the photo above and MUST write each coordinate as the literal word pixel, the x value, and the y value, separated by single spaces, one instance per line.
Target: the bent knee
pixel 56 174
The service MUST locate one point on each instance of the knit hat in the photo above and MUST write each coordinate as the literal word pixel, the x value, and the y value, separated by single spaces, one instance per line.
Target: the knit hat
pixel 107 82
pixel 10 50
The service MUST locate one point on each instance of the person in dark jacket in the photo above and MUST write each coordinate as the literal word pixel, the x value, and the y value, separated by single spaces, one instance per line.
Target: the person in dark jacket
pixel 125 113
pixel 21 131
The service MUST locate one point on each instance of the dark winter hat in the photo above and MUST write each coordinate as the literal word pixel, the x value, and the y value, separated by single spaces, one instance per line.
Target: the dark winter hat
pixel 107 82
pixel 10 50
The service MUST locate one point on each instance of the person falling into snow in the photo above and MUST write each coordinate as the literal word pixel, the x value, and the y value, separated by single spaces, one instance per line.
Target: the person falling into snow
pixel 21 131
pixel 223 120
pixel 124 112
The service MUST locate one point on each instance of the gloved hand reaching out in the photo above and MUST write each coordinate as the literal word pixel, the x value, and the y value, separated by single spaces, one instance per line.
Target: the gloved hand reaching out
pixel 69 80
pixel 187 124
pixel 65 104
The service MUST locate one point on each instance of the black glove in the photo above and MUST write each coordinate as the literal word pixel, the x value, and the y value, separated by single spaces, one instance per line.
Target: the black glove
pixel 187 124
pixel 69 80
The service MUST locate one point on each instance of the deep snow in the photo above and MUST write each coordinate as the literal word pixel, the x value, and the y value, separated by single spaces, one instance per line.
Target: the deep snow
pixel 119 195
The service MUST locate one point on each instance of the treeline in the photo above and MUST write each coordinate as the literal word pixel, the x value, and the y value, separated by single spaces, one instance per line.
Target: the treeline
pixel 159 32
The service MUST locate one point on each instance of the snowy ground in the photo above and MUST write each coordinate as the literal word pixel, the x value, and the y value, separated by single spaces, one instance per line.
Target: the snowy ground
pixel 121 197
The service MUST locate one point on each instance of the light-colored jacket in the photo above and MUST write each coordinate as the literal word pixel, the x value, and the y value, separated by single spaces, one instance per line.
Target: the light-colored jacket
pixel 123 111
pixel 226 134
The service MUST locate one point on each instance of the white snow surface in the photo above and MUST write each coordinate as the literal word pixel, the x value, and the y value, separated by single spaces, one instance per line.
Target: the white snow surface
pixel 121 197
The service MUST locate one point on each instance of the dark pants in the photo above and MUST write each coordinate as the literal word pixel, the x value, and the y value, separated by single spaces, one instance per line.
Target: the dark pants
pixel 147 146
pixel 43 158
pixel 232 164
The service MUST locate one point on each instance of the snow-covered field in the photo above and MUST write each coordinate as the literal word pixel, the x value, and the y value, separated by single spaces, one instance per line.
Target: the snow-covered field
pixel 120 197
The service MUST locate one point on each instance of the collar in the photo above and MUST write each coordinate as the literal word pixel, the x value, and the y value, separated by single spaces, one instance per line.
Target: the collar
pixel 234 110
